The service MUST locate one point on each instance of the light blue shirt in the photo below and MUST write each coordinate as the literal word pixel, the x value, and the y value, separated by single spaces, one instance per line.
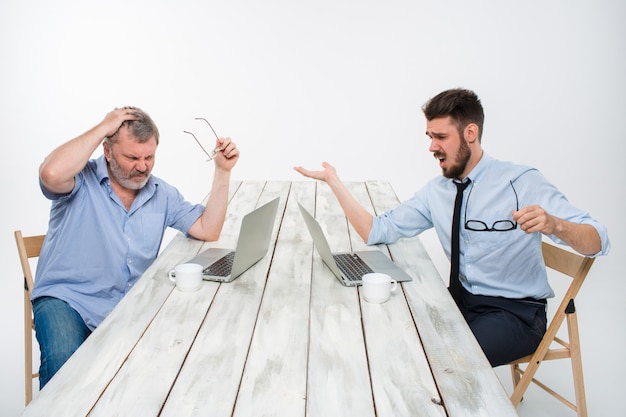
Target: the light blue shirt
pixel 506 264
pixel 95 249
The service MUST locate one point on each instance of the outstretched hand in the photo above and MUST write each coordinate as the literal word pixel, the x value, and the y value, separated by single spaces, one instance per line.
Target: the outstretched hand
pixel 328 173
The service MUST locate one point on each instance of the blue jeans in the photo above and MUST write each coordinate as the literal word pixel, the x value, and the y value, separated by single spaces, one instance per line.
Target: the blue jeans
pixel 60 331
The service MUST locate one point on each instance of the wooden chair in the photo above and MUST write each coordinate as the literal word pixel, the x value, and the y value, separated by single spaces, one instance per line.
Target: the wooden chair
pixel 28 247
pixel 551 346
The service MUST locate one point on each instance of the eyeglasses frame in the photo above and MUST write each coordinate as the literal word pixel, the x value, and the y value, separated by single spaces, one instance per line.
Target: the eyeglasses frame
pixel 212 154
pixel 512 225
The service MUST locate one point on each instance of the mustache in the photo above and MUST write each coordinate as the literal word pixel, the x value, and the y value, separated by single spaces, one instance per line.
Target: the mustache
pixel 136 173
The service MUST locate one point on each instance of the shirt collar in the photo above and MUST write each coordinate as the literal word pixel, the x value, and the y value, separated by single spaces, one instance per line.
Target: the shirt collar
pixel 101 168
pixel 480 168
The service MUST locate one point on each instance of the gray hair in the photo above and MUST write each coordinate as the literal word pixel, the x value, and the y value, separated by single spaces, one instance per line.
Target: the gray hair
pixel 142 129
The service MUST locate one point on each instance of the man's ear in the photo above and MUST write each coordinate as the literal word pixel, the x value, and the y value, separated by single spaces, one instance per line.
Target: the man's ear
pixel 472 132
pixel 107 150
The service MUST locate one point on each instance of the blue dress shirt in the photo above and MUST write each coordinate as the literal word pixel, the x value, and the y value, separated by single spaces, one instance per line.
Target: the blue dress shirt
pixel 95 249
pixel 495 263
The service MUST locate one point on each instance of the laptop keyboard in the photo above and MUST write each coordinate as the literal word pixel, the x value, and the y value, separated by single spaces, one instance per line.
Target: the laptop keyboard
pixel 221 267
pixel 352 266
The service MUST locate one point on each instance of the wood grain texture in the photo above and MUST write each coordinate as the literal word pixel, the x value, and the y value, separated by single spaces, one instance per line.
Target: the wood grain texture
pixel 285 338
pixel 401 376
pixel 339 382
pixel 209 379
pixel 275 375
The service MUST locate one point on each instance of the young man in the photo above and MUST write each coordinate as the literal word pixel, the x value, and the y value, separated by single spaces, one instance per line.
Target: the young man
pixel 500 282
pixel 107 221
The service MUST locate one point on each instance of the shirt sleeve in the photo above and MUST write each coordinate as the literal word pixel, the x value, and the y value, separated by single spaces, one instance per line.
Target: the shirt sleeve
pixel 534 188
pixel 181 214
pixel 79 179
pixel 409 219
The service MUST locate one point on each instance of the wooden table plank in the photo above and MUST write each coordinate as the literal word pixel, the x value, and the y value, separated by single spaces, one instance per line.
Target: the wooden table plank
pixel 209 380
pixel 274 380
pixel 338 373
pixel 401 378
pixel 144 381
pixel 468 385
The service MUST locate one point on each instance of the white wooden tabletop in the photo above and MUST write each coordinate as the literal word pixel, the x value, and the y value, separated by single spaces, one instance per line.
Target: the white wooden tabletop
pixel 285 338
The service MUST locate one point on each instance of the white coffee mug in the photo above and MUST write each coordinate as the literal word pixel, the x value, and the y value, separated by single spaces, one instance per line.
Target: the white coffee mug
pixel 377 287
pixel 188 277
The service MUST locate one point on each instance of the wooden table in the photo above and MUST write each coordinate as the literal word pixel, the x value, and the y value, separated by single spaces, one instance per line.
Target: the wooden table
pixel 285 338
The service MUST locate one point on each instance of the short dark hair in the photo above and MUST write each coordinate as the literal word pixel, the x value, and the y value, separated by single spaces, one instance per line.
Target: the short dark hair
pixel 143 128
pixel 462 105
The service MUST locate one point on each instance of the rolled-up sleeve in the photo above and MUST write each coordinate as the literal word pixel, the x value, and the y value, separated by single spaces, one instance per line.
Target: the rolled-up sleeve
pixel 409 219
pixel 537 190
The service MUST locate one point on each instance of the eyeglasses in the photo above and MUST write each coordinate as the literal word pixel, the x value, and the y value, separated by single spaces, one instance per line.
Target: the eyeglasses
pixel 215 151
pixel 497 226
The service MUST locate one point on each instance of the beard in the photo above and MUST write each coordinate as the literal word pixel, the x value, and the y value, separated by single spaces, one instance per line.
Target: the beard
pixel 462 158
pixel 133 180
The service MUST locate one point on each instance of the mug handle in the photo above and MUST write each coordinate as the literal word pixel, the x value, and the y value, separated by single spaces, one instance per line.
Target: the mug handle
pixel 394 285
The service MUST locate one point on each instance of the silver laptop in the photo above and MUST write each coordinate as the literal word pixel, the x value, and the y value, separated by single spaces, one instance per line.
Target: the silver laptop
pixel 349 267
pixel 224 265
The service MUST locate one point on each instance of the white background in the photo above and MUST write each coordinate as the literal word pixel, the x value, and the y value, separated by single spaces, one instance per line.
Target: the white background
pixel 299 82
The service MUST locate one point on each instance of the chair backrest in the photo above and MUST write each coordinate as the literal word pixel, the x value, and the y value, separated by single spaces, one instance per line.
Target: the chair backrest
pixel 576 267
pixel 28 248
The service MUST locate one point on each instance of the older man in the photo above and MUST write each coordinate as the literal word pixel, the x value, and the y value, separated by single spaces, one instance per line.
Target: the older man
pixel 107 221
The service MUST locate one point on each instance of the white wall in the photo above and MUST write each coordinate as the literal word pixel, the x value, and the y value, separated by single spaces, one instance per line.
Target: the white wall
pixel 299 82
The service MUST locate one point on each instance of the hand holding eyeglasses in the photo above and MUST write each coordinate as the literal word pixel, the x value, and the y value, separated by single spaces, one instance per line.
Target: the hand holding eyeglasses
pixel 535 219
pixel 232 152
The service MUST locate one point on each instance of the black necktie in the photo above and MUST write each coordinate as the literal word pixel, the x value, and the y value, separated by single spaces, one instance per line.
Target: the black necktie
pixel 455 285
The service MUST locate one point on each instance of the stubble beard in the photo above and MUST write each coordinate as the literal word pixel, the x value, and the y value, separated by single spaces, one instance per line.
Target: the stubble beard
pixel 127 180
pixel 462 158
